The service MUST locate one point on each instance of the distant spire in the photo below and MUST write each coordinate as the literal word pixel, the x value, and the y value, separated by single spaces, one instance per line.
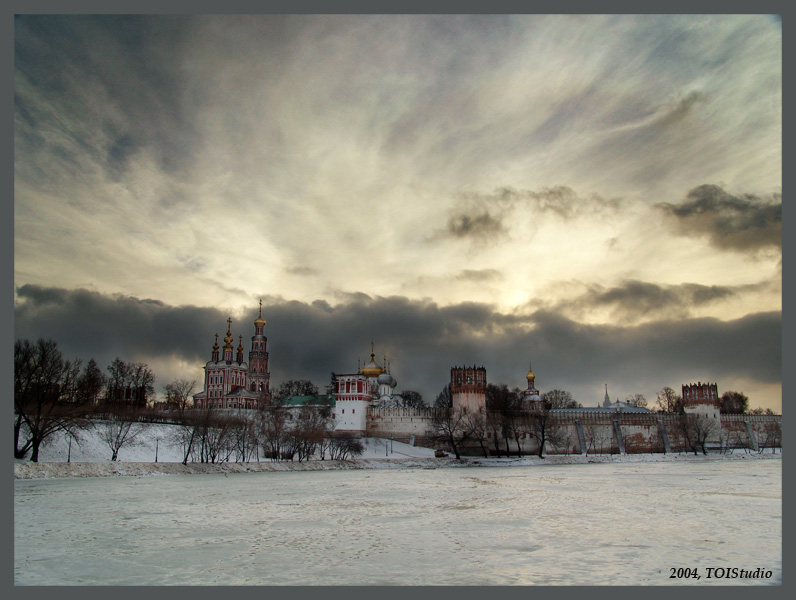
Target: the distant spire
pixel 228 339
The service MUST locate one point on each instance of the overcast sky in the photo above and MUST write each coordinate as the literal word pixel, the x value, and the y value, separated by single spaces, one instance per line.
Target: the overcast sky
pixel 597 195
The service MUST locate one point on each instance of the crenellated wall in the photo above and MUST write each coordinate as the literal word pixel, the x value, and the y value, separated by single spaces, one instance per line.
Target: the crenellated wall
pixel 592 432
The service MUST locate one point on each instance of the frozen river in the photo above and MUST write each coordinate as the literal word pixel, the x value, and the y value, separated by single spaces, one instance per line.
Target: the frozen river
pixel 617 524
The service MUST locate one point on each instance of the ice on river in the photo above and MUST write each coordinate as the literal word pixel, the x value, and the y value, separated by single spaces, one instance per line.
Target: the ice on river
pixel 581 524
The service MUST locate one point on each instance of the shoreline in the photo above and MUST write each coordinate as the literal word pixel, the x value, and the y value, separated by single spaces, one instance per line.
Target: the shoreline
pixel 51 470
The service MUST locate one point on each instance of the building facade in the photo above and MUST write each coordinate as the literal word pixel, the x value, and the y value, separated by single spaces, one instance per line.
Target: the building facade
pixel 229 381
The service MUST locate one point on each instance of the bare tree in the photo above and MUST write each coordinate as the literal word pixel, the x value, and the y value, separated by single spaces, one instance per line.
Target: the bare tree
pixel 444 399
pixel 478 428
pixel 179 394
pixel 345 444
pixel 47 397
pixel 636 400
pixel 545 427
pixel 413 399
pixel 184 435
pixel 91 384
pixel 311 428
pixel 596 438
pixel 129 383
pixel 274 426
pixel 452 426
pixel 244 437
pixel 503 414
pixel 771 438
pixel 697 429
pixel 669 401
pixel 117 431
pixel 559 399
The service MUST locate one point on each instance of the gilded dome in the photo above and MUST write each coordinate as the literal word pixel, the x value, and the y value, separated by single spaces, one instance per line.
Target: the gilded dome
pixel 259 321
pixel 530 376
pixel 372 369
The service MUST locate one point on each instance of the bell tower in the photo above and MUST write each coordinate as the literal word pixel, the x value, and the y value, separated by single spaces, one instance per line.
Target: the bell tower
pixel 259 376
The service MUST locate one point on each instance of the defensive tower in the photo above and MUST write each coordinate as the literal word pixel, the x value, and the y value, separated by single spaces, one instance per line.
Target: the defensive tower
pixel 468 388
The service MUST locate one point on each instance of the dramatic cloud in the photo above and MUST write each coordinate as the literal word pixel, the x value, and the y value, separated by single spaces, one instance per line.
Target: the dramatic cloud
pixel 632 301
pixel 422 340
pixel 742 222
pixel 431 181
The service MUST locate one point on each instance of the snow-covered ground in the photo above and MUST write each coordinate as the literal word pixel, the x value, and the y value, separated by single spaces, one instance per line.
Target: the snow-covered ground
pixel 614 523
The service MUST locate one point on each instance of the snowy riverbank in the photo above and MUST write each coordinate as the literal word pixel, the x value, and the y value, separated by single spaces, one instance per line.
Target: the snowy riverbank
pixel 44 470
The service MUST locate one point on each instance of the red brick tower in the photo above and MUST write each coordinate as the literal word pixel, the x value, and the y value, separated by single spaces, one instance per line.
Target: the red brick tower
pixel 468 388
pixel 700 394
pixel 259 377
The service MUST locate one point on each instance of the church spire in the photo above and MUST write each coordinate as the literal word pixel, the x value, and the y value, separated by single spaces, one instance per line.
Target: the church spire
pixel 259 322
pixel 228 341
pixel 215 350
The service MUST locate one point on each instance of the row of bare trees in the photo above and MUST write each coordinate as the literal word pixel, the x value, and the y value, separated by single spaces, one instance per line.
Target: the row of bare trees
pixel 53 394
pixel 506 418
pixel 275 432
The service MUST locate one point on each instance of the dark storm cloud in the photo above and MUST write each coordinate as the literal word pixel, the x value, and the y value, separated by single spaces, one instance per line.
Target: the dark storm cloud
pixel 633 300
pixel 116 77
pixel 421 339
pixel 732 222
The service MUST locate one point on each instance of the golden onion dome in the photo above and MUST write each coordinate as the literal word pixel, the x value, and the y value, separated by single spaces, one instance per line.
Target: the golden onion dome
pixel 259 321
pixel 530 376
pixel 372 369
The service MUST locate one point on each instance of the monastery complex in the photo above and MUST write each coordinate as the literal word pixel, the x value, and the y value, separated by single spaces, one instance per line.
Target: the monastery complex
pixel 365 403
